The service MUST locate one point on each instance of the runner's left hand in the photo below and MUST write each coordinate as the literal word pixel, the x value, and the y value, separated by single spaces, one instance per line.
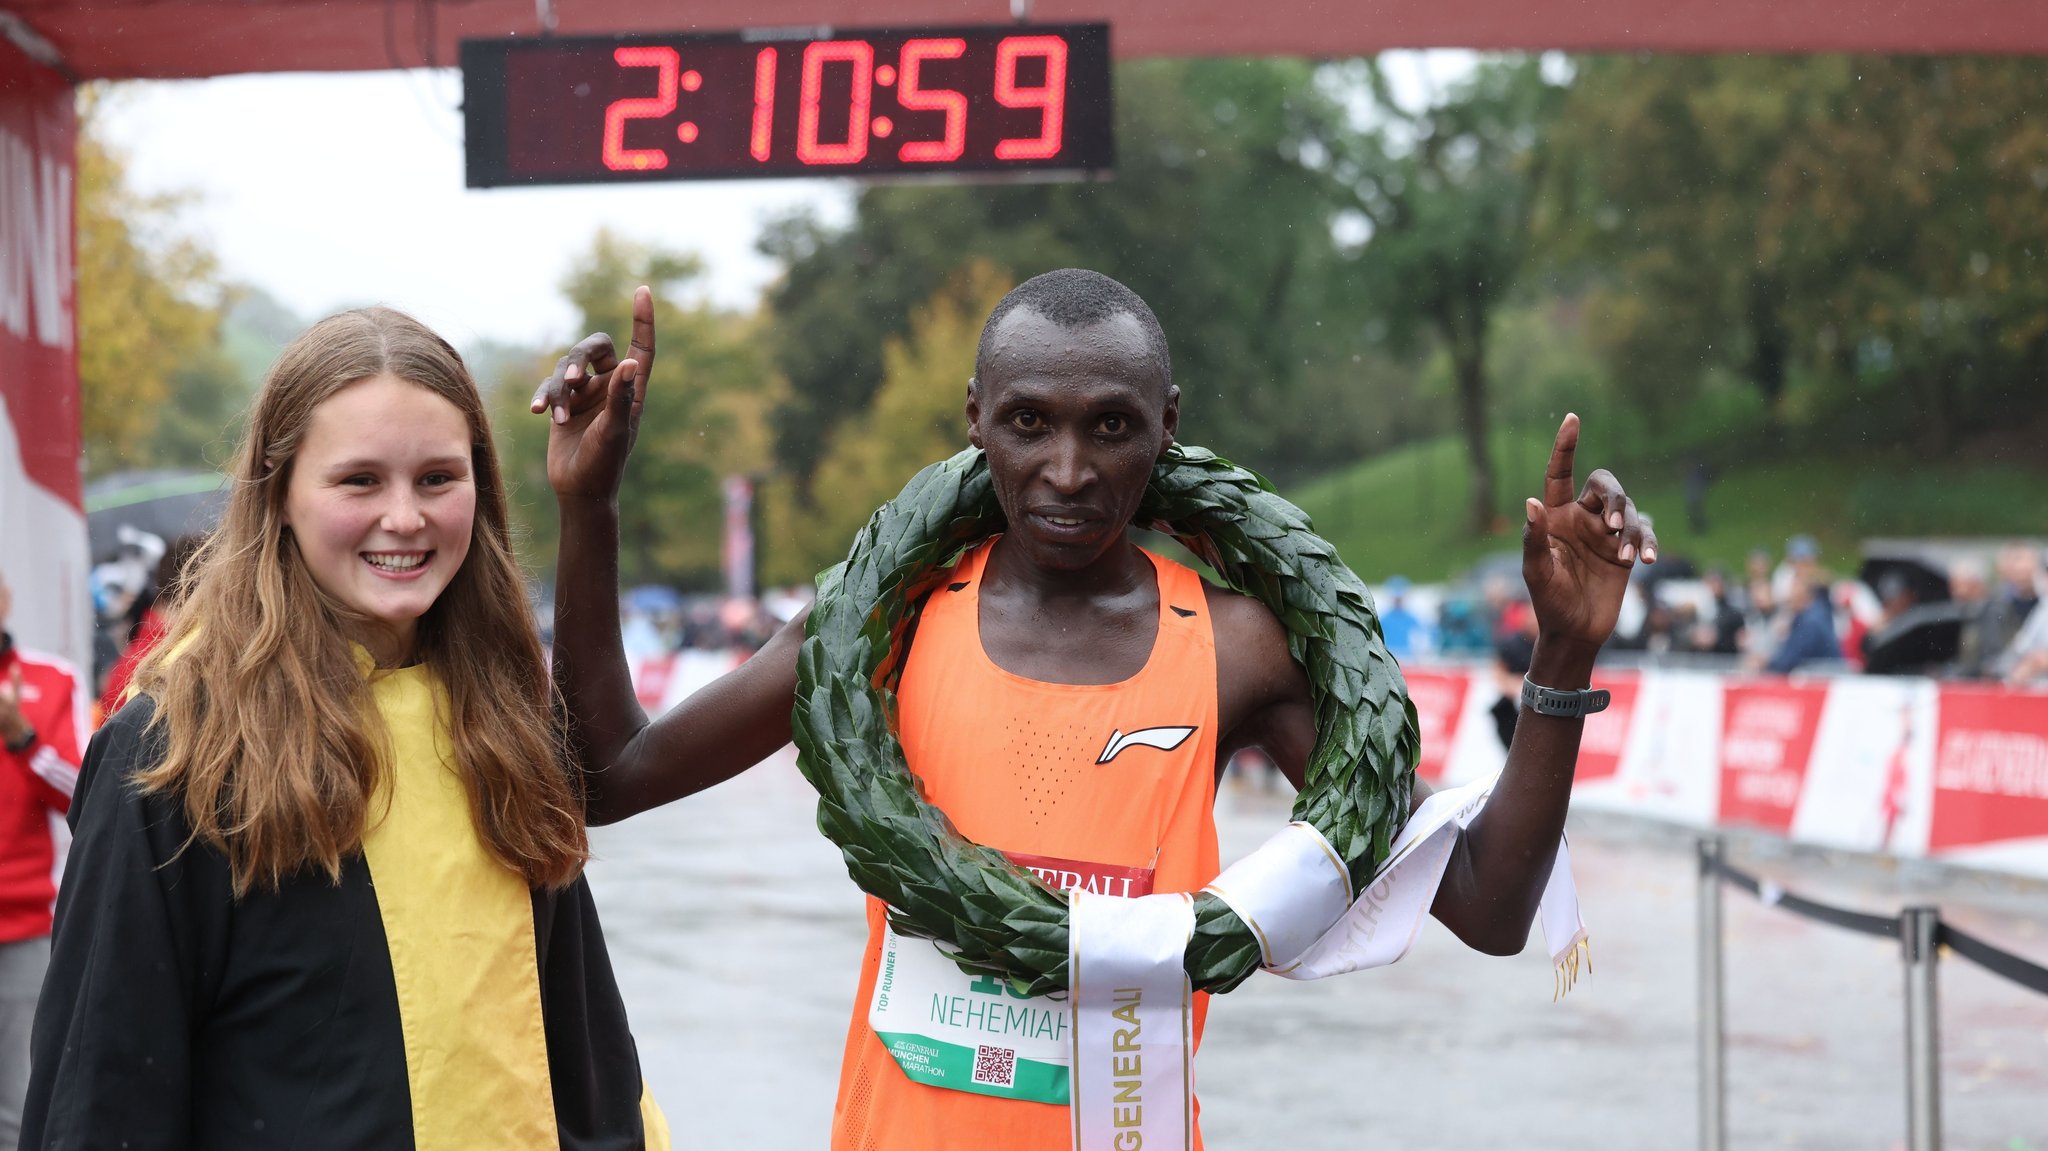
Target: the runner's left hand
pixel 1577 552
pixel 593 402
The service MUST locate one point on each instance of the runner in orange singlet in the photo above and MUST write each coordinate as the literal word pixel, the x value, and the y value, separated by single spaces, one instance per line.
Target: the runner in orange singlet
pixel 1047 687
pixel 1139 823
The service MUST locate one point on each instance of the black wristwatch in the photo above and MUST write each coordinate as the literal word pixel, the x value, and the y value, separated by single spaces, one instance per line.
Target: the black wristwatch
pixel 24 743
pixel 1563 704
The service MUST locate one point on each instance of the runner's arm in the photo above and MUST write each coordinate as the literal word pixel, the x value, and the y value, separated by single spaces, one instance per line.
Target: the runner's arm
pixel 1577 553
pixel 1496 873
pixel 593 403
pixel 630 764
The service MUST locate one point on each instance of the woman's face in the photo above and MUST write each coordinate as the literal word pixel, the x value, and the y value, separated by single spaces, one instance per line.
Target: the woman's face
pixel 382 501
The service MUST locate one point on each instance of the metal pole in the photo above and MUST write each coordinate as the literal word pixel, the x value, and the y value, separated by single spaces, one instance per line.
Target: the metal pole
pixel 1713 1061
pixel 1919 928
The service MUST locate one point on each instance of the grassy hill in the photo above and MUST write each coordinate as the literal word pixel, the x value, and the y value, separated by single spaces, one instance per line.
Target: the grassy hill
pixel 1404 511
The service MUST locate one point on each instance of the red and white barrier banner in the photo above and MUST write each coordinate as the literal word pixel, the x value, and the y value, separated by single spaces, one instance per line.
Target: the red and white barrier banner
pixel 1601 748
pixel 1990 786
pixel 1439 699
pixel 42 509
pixel 663 681
pixel 1913 767
pixel 1767 732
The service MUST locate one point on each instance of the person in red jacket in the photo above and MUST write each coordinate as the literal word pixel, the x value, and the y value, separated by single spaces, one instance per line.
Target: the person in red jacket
pixel 154 622
pixel 42 718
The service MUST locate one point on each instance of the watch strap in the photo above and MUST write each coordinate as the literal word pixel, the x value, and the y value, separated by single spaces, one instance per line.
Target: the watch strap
pixel 1562 703
pixel 27 740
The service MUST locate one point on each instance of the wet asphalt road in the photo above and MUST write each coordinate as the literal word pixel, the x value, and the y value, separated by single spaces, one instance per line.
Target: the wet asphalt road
pixel 736 935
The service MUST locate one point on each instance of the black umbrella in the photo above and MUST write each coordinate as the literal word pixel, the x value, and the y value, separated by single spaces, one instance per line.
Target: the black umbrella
pixel 164 504
pixel 1929 583
pixel 1919 641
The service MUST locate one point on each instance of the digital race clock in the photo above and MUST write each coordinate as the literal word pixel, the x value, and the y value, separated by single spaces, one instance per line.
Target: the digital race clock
pixel 812 102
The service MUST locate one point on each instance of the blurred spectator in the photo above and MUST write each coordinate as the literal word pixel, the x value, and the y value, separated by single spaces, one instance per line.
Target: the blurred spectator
pixel 117 585
pixel 1967 588
pixel 1632 622
pixel 154 613
pixel 1802 560
pixel 1511 656
pixel 2014 599
pixel 1907 635
pixel 1759 609
pixel 1660 624
pixel 1685 624
pixel 1499 595
pixel 1408 635
pixel 42 724
pixel 2025 660
pixel 1896 596
pixel 1852 625
pixel 1721 632
pixel 1810 630
pixel 1462 629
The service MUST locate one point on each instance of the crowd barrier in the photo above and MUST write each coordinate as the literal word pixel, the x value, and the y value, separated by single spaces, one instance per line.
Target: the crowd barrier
pixel 1923 938
pixel 1956 772
pixel 1950 771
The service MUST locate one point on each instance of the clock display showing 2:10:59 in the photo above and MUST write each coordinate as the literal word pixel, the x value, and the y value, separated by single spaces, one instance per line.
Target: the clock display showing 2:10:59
pixel 1026 99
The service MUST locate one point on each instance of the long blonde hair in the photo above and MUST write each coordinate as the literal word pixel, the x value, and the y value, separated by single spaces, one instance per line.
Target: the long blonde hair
pixel 274 744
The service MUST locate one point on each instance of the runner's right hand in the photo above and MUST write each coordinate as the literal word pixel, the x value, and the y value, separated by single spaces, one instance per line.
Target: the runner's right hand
pixel 593 402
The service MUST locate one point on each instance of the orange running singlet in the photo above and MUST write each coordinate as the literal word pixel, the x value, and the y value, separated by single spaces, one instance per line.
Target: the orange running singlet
pixel 1048 774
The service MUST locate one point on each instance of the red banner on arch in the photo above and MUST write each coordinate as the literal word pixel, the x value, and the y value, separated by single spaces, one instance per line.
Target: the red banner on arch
pixel 38 369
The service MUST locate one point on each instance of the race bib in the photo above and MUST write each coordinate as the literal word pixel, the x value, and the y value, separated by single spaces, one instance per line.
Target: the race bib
pixel 977 1033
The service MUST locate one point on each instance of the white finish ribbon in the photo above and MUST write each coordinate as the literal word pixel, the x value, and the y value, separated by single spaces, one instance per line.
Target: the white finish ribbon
pixel 1288 892
pixel 1133 1083
pixel 1381 924
pixel 1132 1080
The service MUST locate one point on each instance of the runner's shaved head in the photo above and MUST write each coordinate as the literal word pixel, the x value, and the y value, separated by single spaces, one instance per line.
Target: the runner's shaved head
pixel 1072 298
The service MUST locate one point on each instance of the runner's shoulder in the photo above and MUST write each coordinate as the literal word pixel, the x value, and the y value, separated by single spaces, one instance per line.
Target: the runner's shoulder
pixel 1245 629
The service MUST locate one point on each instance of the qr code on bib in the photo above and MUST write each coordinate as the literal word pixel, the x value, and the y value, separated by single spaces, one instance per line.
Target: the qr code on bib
pixel 995 1066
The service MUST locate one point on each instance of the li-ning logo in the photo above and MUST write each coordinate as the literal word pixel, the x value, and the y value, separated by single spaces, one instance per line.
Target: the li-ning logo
pixel 1163 738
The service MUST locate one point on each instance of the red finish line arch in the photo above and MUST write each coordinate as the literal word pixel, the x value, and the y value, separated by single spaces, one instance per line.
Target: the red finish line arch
pixel 130 39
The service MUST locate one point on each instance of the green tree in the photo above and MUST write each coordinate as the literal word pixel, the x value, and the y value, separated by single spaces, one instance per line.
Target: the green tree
pixel 152 375
pixel 1859 242
pixel 709 398
pixel 916 418
pixel 1219 216
pixel 1447 194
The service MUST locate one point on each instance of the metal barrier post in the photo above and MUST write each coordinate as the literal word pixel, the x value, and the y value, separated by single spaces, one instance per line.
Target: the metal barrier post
pixel 1919 934
pixel 1713 1062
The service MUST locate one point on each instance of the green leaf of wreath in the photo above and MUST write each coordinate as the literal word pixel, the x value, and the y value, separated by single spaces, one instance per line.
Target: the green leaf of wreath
pixel 995 917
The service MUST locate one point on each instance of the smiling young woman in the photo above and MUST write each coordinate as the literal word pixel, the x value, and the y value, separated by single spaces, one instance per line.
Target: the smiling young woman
pixel 328 865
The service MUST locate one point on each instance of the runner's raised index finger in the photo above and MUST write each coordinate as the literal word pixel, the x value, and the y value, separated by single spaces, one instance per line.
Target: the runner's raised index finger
pixel 642 347
pixel 1557 478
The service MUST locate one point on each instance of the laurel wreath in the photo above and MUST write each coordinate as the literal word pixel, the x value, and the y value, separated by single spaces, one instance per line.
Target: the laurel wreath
pixel 997 918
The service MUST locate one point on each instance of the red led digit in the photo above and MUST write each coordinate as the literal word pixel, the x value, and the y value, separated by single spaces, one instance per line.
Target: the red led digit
pixel 1050 100
pixel 764 102
pixel 861 55
pixel 916 99
pixel 617 156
